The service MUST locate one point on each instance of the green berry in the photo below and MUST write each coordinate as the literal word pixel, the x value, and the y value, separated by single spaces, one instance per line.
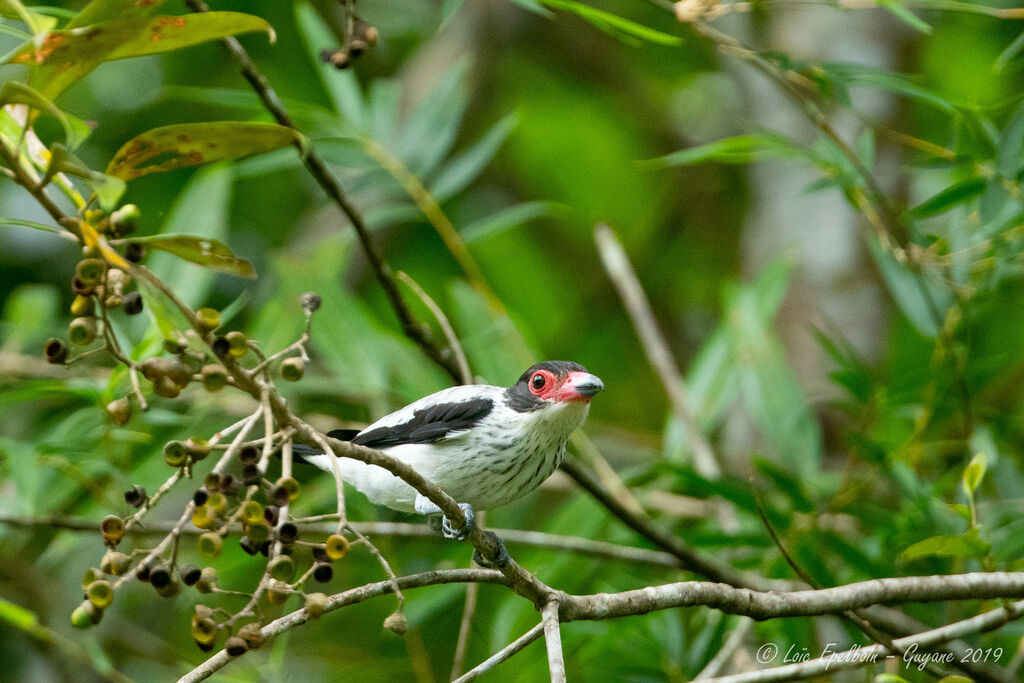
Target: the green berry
pixel 100 594
pixel 82 331
pixel 210 544
pixel 175 454
pixel 207 319
pixel 282 568
pixel 215 376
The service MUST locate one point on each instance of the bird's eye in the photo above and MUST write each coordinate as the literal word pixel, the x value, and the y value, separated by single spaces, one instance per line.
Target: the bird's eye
pixel 538 381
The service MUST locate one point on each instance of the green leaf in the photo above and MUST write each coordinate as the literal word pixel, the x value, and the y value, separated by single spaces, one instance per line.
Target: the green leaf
pixel 889 678
pixel 962 510
pixel 613 23
pixel 507 218
pixel 448 10
pixel 974 473
pixel 66 56
pixel 870 77
pixel 105 10
pixel 968 545
pixel 1011 145
pixel 201 250
pixel 17 616
pixel 741 149
pixel 341 86
pixel 38 24
pixel 189 144
pixel 107 188
pixel 75 129
pixel 167 33
pixel 461 171
pixel 957 193
pixel 30 224
pixel 1007 55
pixel 200 209
pixel 906 16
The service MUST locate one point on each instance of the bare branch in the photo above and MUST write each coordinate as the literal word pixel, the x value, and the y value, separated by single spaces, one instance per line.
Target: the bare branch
pixel 736 637
pixel 622 275
pixel 503 654
pixel 553 639
pixel 916 646
pixel 344 599
pixel 774 604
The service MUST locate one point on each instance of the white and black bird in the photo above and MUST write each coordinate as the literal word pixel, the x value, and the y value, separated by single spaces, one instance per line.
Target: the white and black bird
pixel 485 446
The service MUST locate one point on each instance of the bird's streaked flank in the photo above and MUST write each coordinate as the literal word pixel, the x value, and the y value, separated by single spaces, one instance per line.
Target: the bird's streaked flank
pixel 483 445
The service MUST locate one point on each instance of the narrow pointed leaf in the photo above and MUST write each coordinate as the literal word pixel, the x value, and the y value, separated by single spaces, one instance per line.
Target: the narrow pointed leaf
pixel 30 224
pixel 741 149
pixel 190 144
pixel 955 194
pixel 66 56
pixel 201 250
pixel 613 23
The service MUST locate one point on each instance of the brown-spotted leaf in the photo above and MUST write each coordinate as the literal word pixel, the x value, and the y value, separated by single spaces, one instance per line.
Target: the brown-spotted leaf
pixel 65 57
pixel 202 250
pixel 106 10
pixel 190 144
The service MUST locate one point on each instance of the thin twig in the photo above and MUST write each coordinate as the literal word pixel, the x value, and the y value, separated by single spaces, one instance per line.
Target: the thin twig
pixel 466 623
pixel 502 654
pixel 324 177
pixel 621 273
pixel 383 563
pixel 532 539
pixel 854 658
pixel 443 322
pixel 690 560
pixel 736 637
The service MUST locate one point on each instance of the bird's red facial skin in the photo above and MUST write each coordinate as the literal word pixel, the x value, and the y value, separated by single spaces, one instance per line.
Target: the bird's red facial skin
pixel 543 384
pixel 566 390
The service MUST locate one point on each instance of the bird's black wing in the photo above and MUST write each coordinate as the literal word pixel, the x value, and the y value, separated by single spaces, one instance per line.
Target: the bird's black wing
pixel 429 424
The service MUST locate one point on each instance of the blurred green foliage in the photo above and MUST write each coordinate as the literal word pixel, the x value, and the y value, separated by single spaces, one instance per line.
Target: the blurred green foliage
pixel 528 127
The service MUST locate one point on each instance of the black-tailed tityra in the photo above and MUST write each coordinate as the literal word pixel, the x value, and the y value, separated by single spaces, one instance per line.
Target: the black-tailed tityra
pixel 483 445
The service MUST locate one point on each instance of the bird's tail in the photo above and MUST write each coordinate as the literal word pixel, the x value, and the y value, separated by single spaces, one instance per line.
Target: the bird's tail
pixel 350 469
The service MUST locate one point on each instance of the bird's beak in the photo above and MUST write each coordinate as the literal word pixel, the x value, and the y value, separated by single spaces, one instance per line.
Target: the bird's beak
pixel 579 386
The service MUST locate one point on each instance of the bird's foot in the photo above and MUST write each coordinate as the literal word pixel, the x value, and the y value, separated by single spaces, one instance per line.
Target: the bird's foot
pixel 501 559
pixel 460 533
pixel 441 524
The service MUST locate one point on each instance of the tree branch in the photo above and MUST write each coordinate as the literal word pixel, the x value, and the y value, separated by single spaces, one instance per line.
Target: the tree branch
pixel 915 646
pixel 503 654
pixel 807 603
pixel 553 640
pixel 326 179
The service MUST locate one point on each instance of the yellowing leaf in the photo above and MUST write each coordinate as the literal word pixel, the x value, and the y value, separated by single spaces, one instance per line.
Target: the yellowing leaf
pixel 65 57
pixel 190 144
pixel 201 250
pixel 974 473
